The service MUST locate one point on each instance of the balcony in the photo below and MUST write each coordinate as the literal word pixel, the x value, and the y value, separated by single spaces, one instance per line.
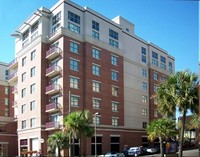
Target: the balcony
pixel 14 90
pixel 52 107
pixel 13 64
pixel 53 71
pixel 12 78
pixel 52 89
pixel 53 52
pixel 14 104
pixel 52 126
pixel 15 117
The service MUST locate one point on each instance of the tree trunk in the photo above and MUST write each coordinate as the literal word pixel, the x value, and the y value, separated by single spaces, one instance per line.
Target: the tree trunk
pixel 161 147
pixel 182 134
pixel 59 154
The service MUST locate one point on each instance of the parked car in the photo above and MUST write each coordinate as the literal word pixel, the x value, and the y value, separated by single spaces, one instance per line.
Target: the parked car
pixel 113 154
pixel 151 150
pixel 134 151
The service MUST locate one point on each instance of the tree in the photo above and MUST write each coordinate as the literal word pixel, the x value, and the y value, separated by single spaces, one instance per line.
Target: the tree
pixel 163 129
pixel 194 122
pixel 59 141
pixel 179 91
pixel 77 125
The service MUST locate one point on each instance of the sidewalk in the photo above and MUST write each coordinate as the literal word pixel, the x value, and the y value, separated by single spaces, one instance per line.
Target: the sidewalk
pixel 186 153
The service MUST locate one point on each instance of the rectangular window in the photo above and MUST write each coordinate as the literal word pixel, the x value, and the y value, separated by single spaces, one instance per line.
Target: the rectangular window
pixel 33 72
pixel 144 125
pixel 154 58
pixel 95 53
pixel 6 113
pixel 23 92
pixel 23 124
pixel 114 43
pixel 23 108
pixel 96 120
pixel 6 74
pixel 155 100
pixel 33 122
pixel 6 101
pixel 144 112
pixel 115 121
pixel 144 99
pixel 74 65
pixel 74 47
pixel 32 88
pixel 115 106
pixel 34 27
pixel 96 103
pixel 144 60
pixel 162 62
pixel 6 90
pixel 115 91
pixel 155 76
pixel 25 35
pixel 113 34
pixel 96 70
pixel 144 73
pixel 95 25
pixel 163 78
pixel 96 86
pixel 74 100
pixel 95 35
pixel 74 82
pixel 56 19
pixel 23 61
pixel 74 28
pixel 23 77
pixel 114 75
pixel 114 60
pixel 33 55
pixel 170 67
pixel 155 88
pixel 144 85
pixel 32 105
pixel 73 17
pixel 155 113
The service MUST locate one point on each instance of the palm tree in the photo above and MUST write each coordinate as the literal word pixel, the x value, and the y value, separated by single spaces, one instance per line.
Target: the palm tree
pixel 77 126
pixel 179 91
pixel 59 141
pixel 195 122
pixel 163 129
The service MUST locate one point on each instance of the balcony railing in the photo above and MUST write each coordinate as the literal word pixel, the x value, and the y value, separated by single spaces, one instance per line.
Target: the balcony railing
pixel 52 125
pixel 52 107
pixel 12 77
pixel 52 89
pixel 14 104
pixel 14 90
pixel 53 52
pixel 13 64
pixel 53 71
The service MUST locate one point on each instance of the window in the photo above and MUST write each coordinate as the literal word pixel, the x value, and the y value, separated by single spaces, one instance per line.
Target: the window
pixel 96 103
pixel 155 101
pixel 155 88
pixel 96 69
pixel 155 76
pixel 155 113
pixel 23 77
pixel 23 124
pixel 144 99
pixel 144 112
pixel 74 65
pixel 170 67
pixel 114 60
pixel 32 105
pixel 25 35
pixel 163 78
pixel 23 61
pixel 74 100
pixel 6 74
pixel 33 55
pixel 95 25
pixel 144 72
pixel 34 32
pixel 162 62
pixel 144 60
pixel 6 101
pixel 56 22
pixel 23 108
pixel 113 40
pixel 6 112
pixel 115 121
pixel 95 35
pixel 74 47
pixel 74 28
pixel 96 120
pixel 33 72
pixel 114 75
pixel 144 125
pixel 115 91
pixel 115 106
pixel 33 122
pixel 74 82
pixel 144 85
pixel 96 86
pixel 154 58
pixel 95 53
pixel 23 92
pixel 32 88
pixel 6 90
pixel 76 20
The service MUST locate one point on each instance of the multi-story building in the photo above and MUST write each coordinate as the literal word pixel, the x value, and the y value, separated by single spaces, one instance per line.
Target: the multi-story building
pixel 71 58
pixel 8 135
